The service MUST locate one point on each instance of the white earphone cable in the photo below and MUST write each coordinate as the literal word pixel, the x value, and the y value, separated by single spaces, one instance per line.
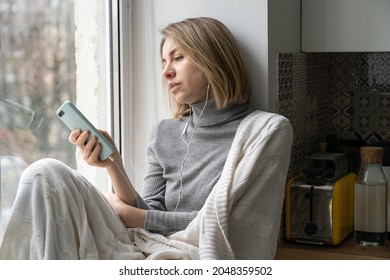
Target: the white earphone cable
pixel 189 143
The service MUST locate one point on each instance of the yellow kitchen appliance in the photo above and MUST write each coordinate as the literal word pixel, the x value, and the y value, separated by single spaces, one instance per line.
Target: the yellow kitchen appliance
pixel 319 203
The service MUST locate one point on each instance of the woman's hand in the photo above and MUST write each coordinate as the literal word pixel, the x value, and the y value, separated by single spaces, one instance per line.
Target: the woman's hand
pixel 91 149
pixel 131 216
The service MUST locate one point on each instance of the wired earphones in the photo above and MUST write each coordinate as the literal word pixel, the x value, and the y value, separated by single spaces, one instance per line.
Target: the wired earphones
pixel 189 142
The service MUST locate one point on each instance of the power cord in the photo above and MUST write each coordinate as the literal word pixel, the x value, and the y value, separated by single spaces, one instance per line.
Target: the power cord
pixel 124 175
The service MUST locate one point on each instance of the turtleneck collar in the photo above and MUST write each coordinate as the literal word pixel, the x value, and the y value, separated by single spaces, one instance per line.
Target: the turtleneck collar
pixel 212 116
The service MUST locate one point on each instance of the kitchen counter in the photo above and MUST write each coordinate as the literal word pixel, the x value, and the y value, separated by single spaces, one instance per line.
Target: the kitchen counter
pixel 346 250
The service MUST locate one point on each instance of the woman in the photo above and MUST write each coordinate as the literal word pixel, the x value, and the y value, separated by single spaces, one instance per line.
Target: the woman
pixel 209 88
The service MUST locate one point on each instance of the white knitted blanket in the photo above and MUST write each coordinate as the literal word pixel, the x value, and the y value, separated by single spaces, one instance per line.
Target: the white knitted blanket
pixel 240 219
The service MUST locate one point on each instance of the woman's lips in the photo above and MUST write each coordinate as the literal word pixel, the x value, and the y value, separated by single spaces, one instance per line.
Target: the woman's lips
pixel 174 86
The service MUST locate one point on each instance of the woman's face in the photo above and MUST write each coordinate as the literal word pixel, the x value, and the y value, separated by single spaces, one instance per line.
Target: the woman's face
pixel 186 82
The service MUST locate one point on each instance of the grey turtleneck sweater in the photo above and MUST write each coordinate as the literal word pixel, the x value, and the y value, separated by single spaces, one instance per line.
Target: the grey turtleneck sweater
pixel 209 144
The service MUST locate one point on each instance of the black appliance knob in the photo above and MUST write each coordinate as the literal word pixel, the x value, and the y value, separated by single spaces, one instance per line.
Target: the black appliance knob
pixel 311 228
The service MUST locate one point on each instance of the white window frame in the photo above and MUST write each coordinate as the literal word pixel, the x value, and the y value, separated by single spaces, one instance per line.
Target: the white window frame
pixel 139 91
pixel 124 117
pixel 121 76
pixel 94 88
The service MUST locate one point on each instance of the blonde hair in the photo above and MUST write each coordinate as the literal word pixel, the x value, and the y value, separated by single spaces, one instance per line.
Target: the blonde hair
pixel 210 46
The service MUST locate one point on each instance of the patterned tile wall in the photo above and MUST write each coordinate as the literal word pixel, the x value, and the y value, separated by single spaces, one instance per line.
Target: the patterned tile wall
pixel 360 83
pixel 346 94
pixel 304 99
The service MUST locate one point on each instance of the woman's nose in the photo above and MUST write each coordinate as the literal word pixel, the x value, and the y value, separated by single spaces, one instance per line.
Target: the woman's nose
pixel 168 72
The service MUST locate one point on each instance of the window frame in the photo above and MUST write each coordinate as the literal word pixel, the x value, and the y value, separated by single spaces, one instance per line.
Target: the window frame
pixel 121 78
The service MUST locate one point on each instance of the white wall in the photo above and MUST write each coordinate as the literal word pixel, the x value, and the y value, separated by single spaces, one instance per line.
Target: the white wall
pixel 284 36
pixel 345 26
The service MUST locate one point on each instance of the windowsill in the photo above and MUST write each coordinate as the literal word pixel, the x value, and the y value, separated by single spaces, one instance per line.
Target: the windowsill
pixel 346 250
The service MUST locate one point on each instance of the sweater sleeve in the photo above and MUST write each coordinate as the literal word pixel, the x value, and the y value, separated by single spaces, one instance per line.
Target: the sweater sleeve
pixel 165 223
pixel 158 219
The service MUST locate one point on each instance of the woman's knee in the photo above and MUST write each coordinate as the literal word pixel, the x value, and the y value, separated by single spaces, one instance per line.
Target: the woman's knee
pixel 48 170
pixel 46 166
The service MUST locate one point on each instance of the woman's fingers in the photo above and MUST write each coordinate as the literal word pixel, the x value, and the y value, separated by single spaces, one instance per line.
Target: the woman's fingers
pixel 81 140
pixel 89 148
pixel 74 135
pixel 91 155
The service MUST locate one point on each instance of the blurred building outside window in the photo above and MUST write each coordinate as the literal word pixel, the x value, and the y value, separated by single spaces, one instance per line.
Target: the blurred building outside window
pixel 50 51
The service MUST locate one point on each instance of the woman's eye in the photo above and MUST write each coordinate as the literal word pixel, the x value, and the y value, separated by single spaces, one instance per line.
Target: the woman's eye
pixel 178 58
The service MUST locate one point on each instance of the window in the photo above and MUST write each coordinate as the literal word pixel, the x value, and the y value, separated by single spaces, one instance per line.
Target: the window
pixel 50 51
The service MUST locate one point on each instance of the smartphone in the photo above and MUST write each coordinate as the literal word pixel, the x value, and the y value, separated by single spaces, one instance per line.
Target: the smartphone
pixel 74 119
